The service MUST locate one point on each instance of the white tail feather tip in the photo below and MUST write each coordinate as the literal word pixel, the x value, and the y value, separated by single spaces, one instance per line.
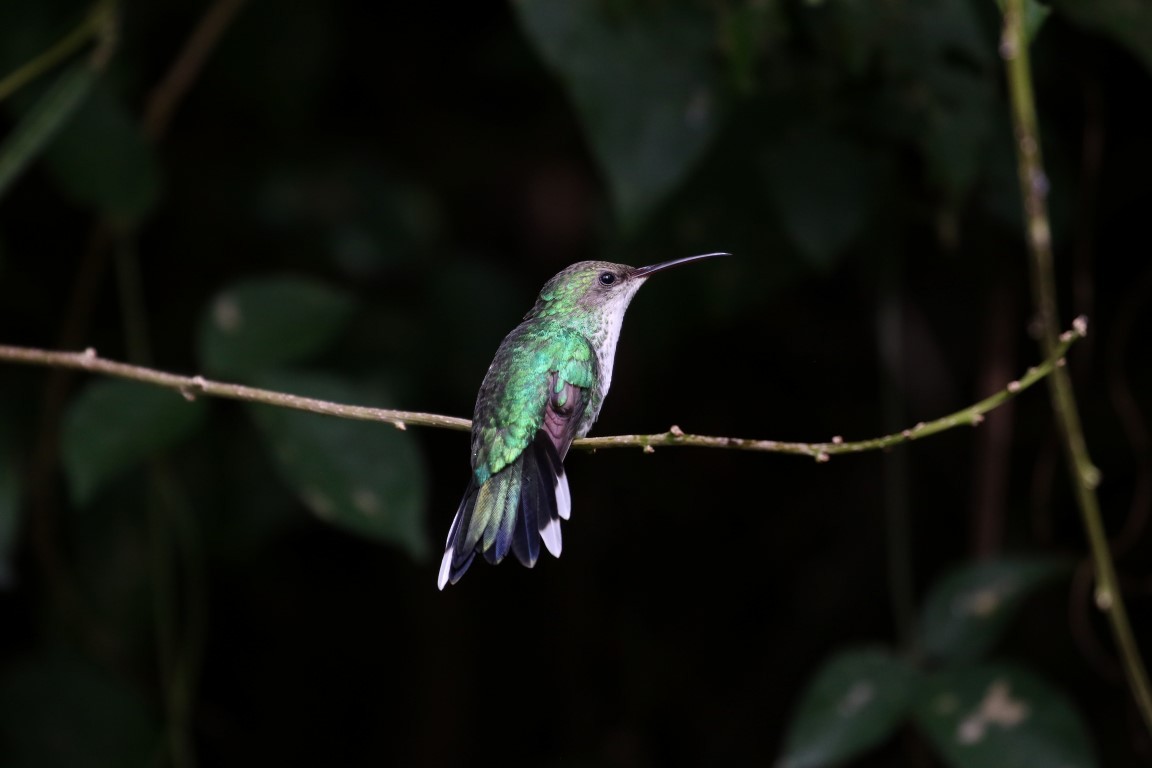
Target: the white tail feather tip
pixel 563 497
pixel 550 533
pixel 445 568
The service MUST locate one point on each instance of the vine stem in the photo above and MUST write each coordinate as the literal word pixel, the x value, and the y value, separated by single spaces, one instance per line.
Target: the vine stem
pixel 1085 476
pixel 192 387
pixel 169 92
pixel 99 23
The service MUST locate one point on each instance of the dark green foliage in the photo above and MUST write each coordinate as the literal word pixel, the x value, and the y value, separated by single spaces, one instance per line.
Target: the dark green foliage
pixel 9 514
pixel 113 426
pixel 102 160
pixel 358 475
pixel 1001 715
pixel 363 476
pixel 969 609
pixel 853 703
pixel 974 713
pixel 822 186
pixel 645 84
pixel 273 321
pixel 60 711
pixel 357 201
pixel 42 121
pixel 1127 23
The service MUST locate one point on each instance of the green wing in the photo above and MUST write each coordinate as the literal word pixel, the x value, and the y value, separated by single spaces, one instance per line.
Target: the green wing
pixel 537 364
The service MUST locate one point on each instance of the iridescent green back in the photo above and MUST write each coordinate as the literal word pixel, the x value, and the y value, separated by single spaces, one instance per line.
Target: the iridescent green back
pixel 515 391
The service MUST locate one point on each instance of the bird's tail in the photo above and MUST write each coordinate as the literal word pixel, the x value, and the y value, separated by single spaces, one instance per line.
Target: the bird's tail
pixel 515 509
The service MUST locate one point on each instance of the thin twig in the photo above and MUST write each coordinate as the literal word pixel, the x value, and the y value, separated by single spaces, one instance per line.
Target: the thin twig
pixel 98 23
pixel 169 91
pixel 192 387
pixel 970 416
pixel 1085 476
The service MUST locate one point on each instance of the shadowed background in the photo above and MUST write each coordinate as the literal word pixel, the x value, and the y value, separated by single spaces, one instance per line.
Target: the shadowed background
pixel 357 202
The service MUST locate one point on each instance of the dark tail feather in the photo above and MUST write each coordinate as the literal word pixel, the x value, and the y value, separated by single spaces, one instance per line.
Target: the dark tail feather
pixel 484 523
pixel 526 534
pixel 515 510
pixel 456 558
pixel 497 503
pixel 553 492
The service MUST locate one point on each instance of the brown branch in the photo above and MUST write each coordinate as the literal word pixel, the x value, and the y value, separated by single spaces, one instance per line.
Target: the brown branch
pixel 192 387
pixel 166 96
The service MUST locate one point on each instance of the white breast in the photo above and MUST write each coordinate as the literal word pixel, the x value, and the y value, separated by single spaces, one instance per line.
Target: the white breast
pixel 605 342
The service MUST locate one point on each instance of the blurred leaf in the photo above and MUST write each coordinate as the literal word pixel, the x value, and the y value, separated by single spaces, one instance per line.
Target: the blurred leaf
pixel 644 84
pixel 40 124
pixel 362 476
pixel 112 426
pixel 9 515
pixel 822 187
pixel 961 114
pixel 474 306
pixel 361 216
pixel 855 702
pixel 1001 716
pixel 967 610
pixel 266 322
pixel 102 159
pixel 1125 22
pixel 997 191
pixel 277 65
pixel 952 30
pixel 60 711
pixel 1035 13
pixel 393 224
pixel 28 28
pixel 747 29
pixel 847 33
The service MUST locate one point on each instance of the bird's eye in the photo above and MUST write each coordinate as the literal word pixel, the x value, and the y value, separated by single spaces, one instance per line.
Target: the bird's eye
pixel 607 278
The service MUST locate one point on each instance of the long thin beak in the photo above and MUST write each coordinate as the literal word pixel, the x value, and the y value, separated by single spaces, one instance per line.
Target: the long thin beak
pixel 653 269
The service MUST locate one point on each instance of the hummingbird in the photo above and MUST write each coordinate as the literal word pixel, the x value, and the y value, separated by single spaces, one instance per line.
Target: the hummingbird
pixel 543 389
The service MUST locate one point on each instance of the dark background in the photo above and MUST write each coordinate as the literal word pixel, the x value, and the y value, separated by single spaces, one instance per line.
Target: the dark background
pixel 424 160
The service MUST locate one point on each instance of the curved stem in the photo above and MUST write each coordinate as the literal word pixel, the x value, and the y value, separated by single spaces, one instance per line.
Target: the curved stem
pixel 167 94
pixel 193 386
pixel 97 24
pixel 1085 476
